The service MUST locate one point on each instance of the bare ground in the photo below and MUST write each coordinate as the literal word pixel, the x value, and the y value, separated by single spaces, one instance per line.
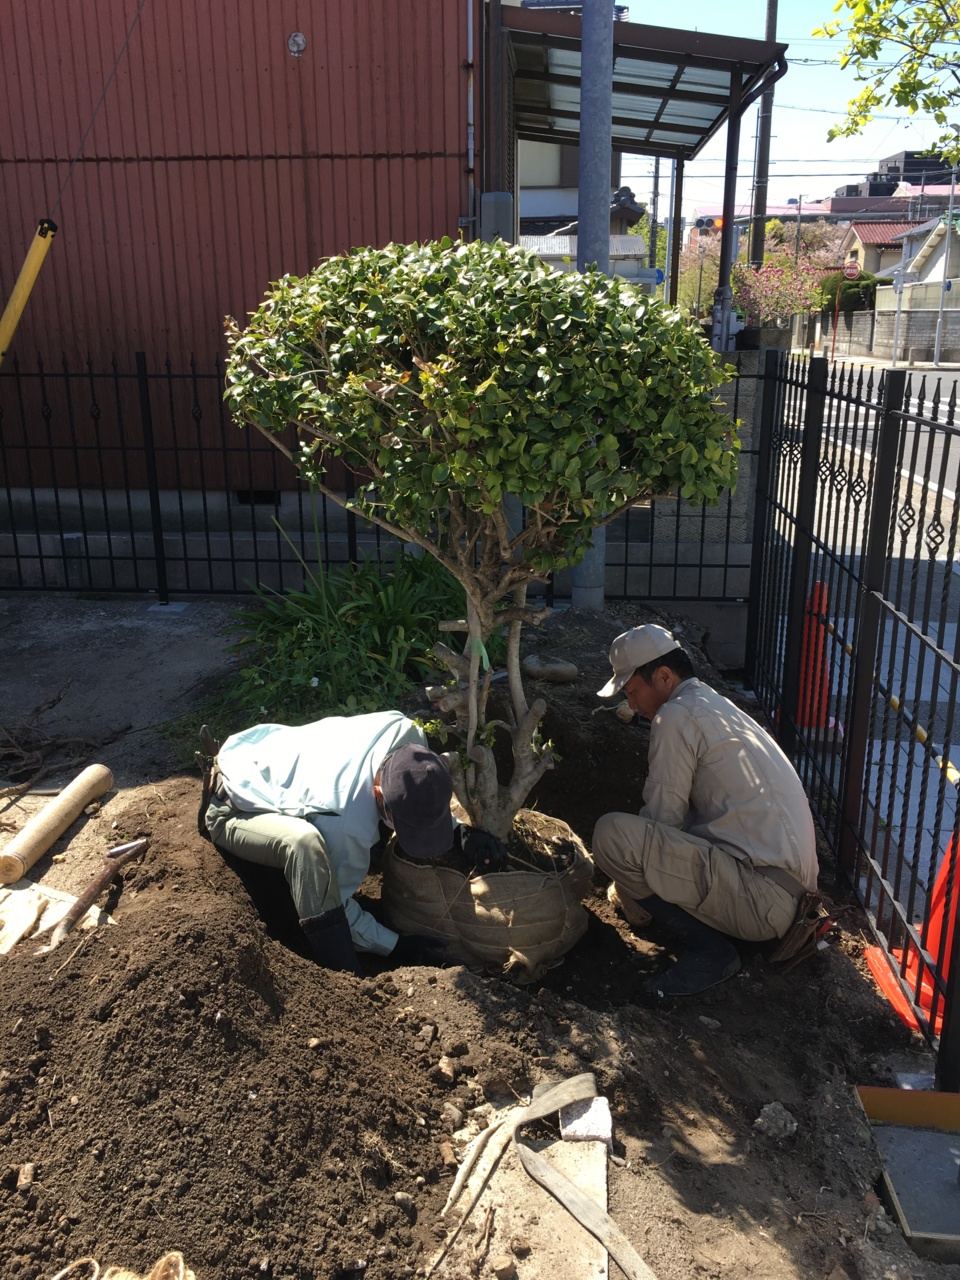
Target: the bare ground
pixel 187 1078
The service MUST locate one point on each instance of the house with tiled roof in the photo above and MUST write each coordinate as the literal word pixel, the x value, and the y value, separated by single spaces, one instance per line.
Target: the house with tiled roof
pixel 876 246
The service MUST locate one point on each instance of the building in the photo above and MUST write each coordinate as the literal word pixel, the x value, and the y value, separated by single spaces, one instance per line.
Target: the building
pixel 876 246
pixel 905 167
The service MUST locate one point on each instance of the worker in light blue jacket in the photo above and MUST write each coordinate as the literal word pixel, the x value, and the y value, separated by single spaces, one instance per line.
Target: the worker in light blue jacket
pixel 309 800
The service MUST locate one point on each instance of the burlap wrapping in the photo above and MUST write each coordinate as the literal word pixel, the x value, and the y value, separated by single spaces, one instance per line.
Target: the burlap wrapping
pixel 520 922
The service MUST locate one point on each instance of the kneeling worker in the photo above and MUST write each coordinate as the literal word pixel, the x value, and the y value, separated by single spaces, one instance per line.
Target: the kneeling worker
pixel 724 845
pixel 309 800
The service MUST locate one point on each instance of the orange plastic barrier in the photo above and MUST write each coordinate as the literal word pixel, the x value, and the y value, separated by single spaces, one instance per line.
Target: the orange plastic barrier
pixel 879 965
pixel 814 702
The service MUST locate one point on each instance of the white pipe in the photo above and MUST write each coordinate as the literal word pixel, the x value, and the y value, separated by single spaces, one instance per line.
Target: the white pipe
pixel 948 241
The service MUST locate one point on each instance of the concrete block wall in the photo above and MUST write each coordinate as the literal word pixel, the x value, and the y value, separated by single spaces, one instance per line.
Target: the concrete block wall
pixel 869 333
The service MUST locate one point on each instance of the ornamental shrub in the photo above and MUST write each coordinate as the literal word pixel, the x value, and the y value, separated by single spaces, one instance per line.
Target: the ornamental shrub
pixel 462 383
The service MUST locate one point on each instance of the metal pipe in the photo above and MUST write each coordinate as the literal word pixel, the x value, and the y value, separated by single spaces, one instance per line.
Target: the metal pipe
pixel 471 126
pixel 596 135
pixel 593 221
pixel 27 278
pixel 946 266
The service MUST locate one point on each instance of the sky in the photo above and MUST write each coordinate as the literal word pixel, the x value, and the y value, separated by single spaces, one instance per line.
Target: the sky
pixel 807 101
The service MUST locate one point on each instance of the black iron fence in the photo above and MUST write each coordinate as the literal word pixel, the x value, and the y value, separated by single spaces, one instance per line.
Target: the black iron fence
pixel 853 651
pixel 136 480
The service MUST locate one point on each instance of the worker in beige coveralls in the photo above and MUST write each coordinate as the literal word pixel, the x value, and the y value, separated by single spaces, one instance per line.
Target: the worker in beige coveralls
pixel 724 845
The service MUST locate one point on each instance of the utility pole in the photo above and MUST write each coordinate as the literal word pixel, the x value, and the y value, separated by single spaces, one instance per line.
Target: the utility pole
pixel 796 247
pixel 652 247
pixel 762 168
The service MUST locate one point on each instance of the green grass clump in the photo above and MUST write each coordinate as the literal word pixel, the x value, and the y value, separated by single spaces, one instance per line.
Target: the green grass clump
pixel 353 640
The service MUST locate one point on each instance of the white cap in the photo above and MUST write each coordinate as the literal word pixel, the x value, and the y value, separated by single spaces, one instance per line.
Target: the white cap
pixel 635 648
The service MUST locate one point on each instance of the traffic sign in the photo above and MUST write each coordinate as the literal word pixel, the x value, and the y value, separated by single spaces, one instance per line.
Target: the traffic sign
pixel 851 270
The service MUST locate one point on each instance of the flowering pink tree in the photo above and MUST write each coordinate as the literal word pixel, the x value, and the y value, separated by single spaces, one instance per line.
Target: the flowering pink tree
pixel 776 291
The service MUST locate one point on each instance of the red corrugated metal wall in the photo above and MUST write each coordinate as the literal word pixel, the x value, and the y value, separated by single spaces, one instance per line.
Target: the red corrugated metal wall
pixel 218 161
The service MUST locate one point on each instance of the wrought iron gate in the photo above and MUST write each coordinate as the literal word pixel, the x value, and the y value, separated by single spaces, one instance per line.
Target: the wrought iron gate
pixel 853 651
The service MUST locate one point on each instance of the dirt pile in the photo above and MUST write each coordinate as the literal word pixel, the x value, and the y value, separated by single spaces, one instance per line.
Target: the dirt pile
pixel 188 1079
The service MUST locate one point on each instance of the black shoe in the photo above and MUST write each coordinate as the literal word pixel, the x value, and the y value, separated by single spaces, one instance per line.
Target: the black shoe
pixel 694 972
pixel 330 940
pixel 709 956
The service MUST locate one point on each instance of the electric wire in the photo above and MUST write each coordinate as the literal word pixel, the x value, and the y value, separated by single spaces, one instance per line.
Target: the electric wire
pixel 103 94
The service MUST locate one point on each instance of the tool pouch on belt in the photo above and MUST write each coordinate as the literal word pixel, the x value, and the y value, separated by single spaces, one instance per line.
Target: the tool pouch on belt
pixel 207 762
pixel 809 927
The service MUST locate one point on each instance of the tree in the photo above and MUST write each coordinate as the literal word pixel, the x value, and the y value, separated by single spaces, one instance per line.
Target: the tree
pixel 774 292
pixel 901 50
pixel 699 272
pixel 497 413
pixel 642 228
pixel 855 295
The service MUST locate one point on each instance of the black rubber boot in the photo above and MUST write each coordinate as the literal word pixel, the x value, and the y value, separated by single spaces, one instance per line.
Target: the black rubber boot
pixel 708 957
pixel 329 937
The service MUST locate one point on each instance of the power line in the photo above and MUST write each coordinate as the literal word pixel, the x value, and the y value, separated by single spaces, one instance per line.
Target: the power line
pixel 103 94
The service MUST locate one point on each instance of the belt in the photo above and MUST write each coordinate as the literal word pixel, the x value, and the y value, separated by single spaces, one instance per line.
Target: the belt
pixel 784 879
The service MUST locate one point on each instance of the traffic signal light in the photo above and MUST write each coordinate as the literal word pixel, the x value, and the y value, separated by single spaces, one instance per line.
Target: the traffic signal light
pixel 709 224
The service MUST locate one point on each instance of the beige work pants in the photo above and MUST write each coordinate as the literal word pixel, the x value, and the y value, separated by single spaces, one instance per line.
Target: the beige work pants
pixel 645 857
pixel 292 845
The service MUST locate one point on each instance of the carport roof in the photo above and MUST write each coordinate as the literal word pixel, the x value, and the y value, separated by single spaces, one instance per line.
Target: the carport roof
pixel 672 90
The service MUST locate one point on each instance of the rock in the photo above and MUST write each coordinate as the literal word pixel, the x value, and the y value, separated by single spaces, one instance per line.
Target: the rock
pixel 447 1155
pixel 556 670
pixel 451 1116
pixel 712 1023
pixel 445 1072
pixel 406 1205
pixel 775 1121
pixel 520 1246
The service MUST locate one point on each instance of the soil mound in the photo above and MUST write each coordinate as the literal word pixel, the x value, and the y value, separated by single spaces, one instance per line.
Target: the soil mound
pixel 188 1079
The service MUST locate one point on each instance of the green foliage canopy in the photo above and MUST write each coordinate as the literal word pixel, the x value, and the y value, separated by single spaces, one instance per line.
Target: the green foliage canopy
pixel 904 51
pixel 855 295
pixel 456 377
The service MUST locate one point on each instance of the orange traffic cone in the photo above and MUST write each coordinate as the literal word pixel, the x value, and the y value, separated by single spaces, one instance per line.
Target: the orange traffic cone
pixel 813 710
pixel 879 965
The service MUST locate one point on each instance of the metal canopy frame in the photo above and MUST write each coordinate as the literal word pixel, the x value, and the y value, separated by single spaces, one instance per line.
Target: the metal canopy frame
pixel 672 92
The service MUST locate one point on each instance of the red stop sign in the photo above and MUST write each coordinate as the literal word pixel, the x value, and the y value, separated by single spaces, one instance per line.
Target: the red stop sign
pixel 851 270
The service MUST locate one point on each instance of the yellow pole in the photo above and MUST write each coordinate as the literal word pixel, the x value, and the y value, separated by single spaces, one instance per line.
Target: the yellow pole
pixel 25 282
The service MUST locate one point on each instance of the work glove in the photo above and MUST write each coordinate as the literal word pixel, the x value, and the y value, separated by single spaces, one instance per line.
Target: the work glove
pixel 419 948
pixel 481 852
